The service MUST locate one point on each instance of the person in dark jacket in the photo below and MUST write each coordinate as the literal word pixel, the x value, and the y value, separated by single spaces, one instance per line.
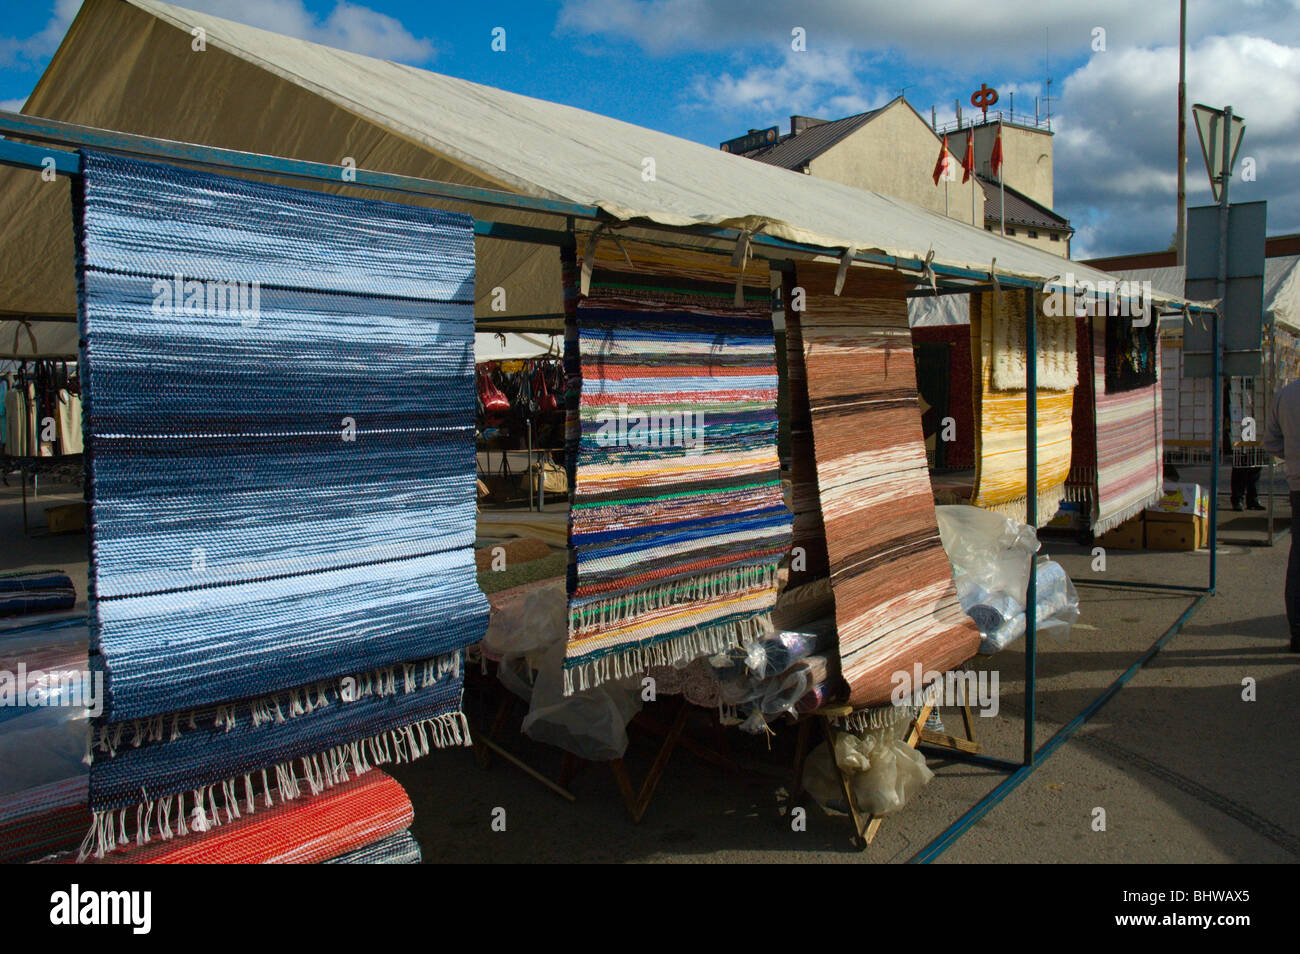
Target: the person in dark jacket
pixel 1282 439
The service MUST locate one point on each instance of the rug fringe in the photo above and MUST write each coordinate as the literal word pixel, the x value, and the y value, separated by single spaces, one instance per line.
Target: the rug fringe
pixel 1049 502
pixel 880 717
pixel 1102 524
pixel 600 614
pixel 306 775
pixel 287 704
pixel 635 660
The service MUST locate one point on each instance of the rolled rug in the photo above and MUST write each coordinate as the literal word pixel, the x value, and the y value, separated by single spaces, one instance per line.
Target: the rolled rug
pixel 339 820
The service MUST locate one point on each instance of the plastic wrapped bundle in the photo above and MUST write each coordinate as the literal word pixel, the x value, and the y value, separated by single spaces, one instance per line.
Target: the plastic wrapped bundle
pixel 775 654
pixel 1001 619
pixel 825 685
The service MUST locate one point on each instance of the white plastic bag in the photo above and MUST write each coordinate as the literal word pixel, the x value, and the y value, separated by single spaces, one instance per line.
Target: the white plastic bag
pixel 884 772
pixel 591 724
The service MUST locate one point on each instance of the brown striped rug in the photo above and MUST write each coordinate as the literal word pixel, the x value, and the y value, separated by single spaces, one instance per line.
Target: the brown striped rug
pixel 895 602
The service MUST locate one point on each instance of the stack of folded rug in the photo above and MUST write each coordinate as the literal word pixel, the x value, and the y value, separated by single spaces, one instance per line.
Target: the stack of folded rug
pixel 363 821
pixel 41 591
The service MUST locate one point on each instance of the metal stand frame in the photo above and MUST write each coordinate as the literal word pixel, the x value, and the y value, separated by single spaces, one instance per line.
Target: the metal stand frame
pixel 23 154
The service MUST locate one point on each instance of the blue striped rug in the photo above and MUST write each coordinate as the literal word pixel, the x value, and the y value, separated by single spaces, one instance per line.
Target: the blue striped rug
pixel 277 494
pixel 279 409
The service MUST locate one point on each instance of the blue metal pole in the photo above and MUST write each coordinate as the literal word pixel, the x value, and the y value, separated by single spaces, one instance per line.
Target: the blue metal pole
pixel 949 835
pixel 1031 517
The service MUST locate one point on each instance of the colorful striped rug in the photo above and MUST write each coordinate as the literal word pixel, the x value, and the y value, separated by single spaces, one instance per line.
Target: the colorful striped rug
pixel 1130 445
pixel 1000 417
pixel 281 476
pixel 895 602
pixel 678 522
pixel 43 820
pixel 342 819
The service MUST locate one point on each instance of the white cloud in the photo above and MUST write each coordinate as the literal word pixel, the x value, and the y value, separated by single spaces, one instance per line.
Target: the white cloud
pixel 950 32
pixel 348 26
pixel 1116 138
pixel 823 83
pixel 33 50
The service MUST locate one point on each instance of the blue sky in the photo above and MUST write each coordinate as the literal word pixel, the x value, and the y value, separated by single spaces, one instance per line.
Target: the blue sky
pixel 711 70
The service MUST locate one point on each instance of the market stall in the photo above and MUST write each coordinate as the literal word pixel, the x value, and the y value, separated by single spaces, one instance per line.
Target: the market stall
pixel 677 552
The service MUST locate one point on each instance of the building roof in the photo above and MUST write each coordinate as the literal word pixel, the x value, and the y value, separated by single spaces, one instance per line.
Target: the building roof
pixel 118 68
pixel 1021 210
pixel 796 151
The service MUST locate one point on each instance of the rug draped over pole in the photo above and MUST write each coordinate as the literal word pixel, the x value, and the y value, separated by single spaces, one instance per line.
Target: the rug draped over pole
pixel 281 477
pixel 677 523
pixel 895 602
pixel 1130 443
pixel 1000 417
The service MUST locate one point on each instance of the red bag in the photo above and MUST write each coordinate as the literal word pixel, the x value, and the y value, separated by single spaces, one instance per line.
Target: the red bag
pixel 545 399
pixel 495 404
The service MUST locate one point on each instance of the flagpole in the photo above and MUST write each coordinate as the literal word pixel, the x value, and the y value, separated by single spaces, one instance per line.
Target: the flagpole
pixel 1002 186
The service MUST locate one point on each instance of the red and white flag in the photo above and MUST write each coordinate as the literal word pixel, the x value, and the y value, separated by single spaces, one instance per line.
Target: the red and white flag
pixel 944 164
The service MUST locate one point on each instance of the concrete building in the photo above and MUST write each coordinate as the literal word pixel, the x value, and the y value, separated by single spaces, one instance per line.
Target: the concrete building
pixel 892 150
pixel 1027 221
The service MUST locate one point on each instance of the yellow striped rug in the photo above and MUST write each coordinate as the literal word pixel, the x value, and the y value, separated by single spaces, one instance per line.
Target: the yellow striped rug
pixel 1000 417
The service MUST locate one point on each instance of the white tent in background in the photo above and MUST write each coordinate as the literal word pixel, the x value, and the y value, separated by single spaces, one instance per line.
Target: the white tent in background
pixel 489 346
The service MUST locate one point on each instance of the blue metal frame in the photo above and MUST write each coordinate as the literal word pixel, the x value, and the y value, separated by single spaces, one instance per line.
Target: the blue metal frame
pixel 957 280
pixel 1032 757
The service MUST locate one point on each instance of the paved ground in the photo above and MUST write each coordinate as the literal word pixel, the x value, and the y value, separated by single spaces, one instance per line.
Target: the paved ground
pixel 1185 770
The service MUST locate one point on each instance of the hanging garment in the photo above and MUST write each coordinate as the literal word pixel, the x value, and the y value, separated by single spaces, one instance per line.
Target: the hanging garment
pixel 678 522
pixel 895 602
pixel 282 499
pixel 69 419
pixel 16 422
pixel 1132 361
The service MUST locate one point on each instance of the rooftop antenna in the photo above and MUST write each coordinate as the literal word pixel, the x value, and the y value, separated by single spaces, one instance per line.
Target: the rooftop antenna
pixel 1047 71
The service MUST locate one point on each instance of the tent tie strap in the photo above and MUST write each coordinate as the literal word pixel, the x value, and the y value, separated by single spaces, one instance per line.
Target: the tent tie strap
pixel 927 270
pixel 589 256
pixel 740 257
pixel 845 261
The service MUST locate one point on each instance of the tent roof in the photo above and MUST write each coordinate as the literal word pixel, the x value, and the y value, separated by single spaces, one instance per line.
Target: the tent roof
pixel 1281 287
pixel 127 65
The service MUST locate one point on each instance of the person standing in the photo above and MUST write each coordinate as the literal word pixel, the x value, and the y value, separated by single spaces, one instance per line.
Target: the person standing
pixel 1282 439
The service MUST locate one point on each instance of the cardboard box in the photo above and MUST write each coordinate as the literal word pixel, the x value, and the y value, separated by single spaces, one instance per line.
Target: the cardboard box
pixel 1176 531
pixel 1069 517
pixel 67 518
pixel 1127 536
pixel 1183 498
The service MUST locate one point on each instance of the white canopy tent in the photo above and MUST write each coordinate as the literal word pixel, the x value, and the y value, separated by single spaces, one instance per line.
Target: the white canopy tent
pixel 129 65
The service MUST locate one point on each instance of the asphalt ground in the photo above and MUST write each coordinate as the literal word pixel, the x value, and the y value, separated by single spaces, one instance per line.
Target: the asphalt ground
pixel 1184 768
